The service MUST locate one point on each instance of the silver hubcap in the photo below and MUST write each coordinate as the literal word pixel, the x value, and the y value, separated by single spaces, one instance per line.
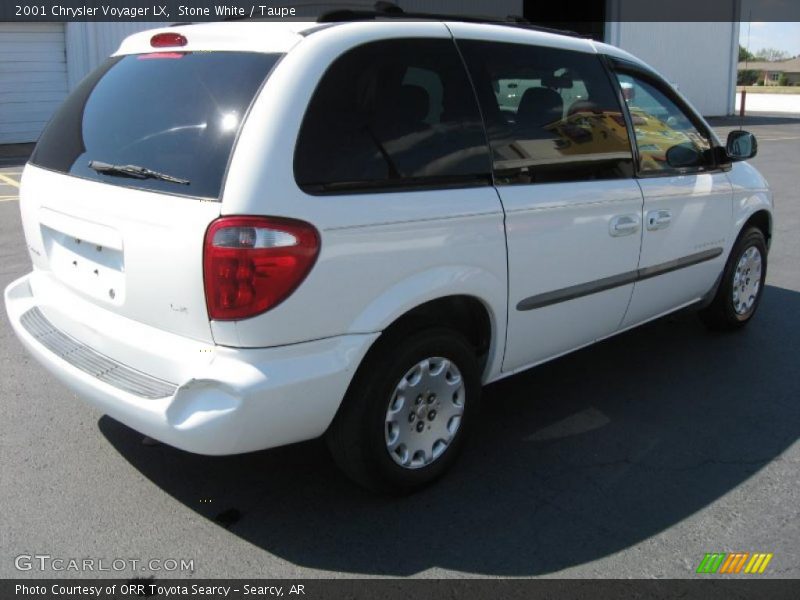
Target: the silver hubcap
pixel 424 412
pixel 747 280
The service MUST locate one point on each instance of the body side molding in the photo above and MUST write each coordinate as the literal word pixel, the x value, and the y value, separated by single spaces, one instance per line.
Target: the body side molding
pixel 600 285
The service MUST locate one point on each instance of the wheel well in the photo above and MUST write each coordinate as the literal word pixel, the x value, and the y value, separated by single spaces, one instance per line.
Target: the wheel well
pixel 465 314
pixel 763 221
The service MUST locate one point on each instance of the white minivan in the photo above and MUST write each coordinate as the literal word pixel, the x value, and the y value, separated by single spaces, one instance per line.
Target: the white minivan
pixel 245 235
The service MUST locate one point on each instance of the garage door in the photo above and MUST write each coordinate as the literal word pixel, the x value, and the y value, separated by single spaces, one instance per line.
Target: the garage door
pixel 33 78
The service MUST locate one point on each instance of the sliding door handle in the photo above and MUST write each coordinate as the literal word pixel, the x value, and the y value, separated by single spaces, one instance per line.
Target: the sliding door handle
pixel 623 225
pixel 658 219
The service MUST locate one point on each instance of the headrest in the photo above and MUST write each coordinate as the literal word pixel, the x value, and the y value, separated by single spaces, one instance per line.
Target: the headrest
pixel 540 106
pixel 412 103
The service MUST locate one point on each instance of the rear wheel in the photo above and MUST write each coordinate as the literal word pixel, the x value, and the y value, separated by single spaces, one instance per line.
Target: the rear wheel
pixel 742 285
pixel 404 419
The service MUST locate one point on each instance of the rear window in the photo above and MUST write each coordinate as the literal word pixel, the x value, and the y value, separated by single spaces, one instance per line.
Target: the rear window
pixel 175 113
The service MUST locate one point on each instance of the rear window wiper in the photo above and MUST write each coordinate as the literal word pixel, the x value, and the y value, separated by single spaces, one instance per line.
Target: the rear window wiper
pixel 134 171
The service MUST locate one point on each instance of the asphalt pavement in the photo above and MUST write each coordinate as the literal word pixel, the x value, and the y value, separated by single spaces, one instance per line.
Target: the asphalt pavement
pixel 631 458
pixel 9 183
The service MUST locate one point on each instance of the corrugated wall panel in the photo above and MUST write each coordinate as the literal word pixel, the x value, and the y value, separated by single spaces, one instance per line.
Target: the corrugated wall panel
pixel 33 78
pixel 695 56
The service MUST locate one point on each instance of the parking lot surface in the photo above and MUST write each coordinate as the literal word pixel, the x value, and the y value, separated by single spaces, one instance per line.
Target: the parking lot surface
pixel 9 183
pixel 632 458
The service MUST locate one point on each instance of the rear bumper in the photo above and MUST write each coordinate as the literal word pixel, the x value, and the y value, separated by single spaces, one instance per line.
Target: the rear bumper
pixel 233 400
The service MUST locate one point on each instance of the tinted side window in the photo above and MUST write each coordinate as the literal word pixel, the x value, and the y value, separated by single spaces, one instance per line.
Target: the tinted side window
pixel 660 125
pixel 552 115
pixel 391 114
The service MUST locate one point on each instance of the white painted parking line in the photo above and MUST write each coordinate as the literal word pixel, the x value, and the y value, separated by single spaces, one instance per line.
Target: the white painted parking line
pixel 8 198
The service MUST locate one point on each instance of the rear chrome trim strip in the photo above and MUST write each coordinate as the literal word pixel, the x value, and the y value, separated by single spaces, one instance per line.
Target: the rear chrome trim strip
pixel 90 361
pixel 600 285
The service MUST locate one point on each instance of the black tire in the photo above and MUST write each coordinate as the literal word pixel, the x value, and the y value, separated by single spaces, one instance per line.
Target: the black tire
pixel 356 437
pixel 722 314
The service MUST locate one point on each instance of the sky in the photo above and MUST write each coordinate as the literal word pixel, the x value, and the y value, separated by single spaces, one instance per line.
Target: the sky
pixel 783 36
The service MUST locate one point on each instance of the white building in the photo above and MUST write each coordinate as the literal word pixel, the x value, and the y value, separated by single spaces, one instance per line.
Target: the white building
pixel 41 62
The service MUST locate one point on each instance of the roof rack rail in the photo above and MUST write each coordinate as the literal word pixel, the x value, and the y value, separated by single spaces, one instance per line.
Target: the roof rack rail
pixel 388 10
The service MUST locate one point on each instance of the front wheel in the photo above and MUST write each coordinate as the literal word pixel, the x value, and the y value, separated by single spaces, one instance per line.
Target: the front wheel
pixel 742 285
pixel 404 419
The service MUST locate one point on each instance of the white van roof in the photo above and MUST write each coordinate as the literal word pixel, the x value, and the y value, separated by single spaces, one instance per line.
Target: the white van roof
pixel 231 36
pixel 275 36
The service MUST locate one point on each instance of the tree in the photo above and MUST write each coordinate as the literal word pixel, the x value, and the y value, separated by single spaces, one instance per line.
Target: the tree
pixel 745 54
pixel 747 77
pixel 771 54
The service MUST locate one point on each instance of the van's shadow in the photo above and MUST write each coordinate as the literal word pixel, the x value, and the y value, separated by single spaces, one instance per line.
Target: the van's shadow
pixel 572 461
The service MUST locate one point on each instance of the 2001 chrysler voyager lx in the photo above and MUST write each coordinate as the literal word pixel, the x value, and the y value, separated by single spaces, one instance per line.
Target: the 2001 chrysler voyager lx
pixel 250 234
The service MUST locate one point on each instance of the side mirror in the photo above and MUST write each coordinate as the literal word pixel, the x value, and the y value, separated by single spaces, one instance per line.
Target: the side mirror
pixel 684 155
pixel 741 145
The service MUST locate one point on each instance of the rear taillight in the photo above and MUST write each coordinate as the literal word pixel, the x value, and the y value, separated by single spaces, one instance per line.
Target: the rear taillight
pixel 252 264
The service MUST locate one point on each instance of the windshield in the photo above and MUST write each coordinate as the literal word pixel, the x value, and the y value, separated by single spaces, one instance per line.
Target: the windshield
pixel 175 113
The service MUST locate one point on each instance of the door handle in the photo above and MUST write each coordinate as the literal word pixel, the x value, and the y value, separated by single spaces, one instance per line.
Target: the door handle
pixel 658 219
pixel 623 225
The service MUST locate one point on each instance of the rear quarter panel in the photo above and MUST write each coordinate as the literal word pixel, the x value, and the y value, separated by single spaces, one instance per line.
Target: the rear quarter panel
pixel 381 254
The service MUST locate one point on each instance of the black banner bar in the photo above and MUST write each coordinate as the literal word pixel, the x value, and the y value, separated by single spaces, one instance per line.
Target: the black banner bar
pixel 708 587
pixel 566 11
